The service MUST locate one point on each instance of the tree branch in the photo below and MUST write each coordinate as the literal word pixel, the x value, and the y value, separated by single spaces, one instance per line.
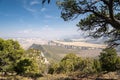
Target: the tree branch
pixel 105 2
pixel 111 14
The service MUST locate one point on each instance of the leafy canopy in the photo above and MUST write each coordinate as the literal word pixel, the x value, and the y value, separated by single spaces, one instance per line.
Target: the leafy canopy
pixel 43 1
pixel 109 60
pixel 10 54
pixel 100 17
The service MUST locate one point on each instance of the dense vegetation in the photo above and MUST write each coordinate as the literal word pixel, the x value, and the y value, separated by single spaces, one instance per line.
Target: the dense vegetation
pixel 10 55
pixel 108 61
pixel 16 61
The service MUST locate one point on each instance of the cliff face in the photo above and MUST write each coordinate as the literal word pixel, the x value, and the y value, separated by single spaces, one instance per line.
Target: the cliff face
pixel 80 45
pixel 46 52
pixel 56 53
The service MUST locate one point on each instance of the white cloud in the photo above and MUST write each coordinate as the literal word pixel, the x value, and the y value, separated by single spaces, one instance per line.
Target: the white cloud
pixel 29 5
pixel 34 2
pixel 47 32
pixel 43 9
pixel 33 7
pixel 51 17
pixel 30 9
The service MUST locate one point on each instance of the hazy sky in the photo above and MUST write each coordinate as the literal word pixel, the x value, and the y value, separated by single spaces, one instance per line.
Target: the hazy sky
pixel 29 18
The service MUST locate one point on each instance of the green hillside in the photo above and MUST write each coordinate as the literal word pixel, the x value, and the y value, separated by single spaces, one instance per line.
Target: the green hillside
pixel 61 51
pixel 49 55
pixel 53 52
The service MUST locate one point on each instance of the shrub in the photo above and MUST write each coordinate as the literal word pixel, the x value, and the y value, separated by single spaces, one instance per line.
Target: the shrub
pixel 10 54
pixel 87 66
pixel 108 58
pixel 53 68
pixel 118 63
pixel 97 65
pixel 26 67
pixel 70 63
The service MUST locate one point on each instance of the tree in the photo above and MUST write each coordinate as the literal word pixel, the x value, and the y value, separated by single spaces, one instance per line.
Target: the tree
pixel 67 63
pixel 38 59
pixel 99 17
pixel 26 66
pixel 43 1
pixel 87 66
pixel 70 63
pixel 97 65
pixel 53 68
pixel 22 66
pixel 118 63
pixel 108 59
pixel 10 54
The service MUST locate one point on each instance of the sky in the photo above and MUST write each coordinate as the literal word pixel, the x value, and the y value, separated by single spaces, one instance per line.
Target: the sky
pixel 29 18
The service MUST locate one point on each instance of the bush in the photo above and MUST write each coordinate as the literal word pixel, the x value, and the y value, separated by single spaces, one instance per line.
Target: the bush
pixel 118 63
pixel 87 66
pixel 23 66
pixel 66 66
pixel 70 63
pixel 108 59
pixel 26 67
pixel 53 68
pixel 97 65
pixel 10 54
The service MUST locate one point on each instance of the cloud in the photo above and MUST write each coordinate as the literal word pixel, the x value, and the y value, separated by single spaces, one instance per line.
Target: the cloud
pixel 34 2
pixel 30 9
pixel 43 9
pixel 51 17
pixel 33 7
pixel 47 32
pixel 30 5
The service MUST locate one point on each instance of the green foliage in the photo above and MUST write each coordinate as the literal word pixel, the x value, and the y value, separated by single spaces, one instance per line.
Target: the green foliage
pixel 118 63
pixel 10 54
pixel 78 63
pixel 99 17
pixel 26 66
pixel 43 1
pixel 66 66
pixel 50 51
pixel 23 66
pixel 87 66
pixel 72 63
pixel 54 68
pixel 97 65
pixel 14 59
pixel 108 59
pixel 35 56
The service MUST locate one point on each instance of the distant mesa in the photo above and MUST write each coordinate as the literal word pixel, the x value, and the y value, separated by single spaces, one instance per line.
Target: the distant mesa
pixel 80 45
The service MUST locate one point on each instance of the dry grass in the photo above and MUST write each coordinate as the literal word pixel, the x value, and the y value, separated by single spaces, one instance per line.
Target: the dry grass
pixel 69 76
